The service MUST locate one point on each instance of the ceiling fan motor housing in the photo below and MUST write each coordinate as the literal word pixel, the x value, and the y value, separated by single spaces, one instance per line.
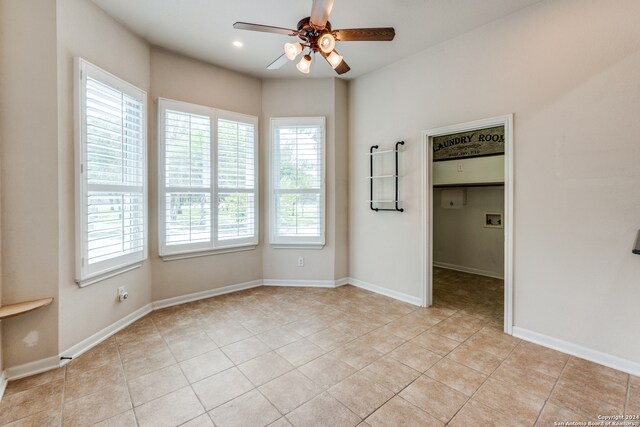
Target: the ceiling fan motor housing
pixel 308 33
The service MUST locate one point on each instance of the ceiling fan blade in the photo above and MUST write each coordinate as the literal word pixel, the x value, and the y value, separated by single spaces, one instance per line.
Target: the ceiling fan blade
pixel 320 11
pixel 278 63
pixel 343 67
pixel 264 28
pixel 366 34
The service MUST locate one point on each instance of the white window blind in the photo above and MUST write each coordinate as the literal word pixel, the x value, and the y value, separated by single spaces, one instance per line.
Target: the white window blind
pixel 236 178
pixel 298 181
pixel 187 155
pixel 207 179
pixel 111 183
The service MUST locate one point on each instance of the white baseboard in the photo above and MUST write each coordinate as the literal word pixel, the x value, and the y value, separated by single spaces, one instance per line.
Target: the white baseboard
pixel 577 350
pixel 103 334
pixel 341 282
pixel 471 270
pixel 386 292
pixel 53 362
pixel 32 368
pixel 3 383
pixel 205 294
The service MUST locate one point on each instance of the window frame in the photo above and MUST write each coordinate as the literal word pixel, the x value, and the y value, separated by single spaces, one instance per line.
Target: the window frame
pixel 215 245
pixel 85 274
pixel 302 242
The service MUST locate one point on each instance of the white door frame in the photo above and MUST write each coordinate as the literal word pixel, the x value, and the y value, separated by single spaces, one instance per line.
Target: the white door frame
pixel 427 208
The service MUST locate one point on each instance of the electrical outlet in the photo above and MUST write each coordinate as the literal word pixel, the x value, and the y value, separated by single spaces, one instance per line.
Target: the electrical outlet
pixel 122 294
pixel 300 261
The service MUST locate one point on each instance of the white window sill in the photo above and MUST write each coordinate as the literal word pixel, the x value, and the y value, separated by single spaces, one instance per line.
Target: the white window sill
pixel 104 276
pixel 201 253
pixel 312 246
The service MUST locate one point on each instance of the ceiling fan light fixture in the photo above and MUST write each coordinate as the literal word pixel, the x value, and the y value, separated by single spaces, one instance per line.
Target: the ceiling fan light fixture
pixel 327 42
pixel 292 50
pixel 334 59
pixel 318 36
pixel 304 66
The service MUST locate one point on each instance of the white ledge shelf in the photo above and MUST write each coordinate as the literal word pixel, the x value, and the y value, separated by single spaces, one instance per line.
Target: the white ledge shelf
pixel 384 176
pixel 23 307
pixel 375 153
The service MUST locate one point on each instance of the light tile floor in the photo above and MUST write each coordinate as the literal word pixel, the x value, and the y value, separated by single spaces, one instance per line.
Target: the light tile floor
pixel 325 357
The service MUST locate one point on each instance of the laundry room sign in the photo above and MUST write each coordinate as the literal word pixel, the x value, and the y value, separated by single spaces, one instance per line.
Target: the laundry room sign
pixel 475 143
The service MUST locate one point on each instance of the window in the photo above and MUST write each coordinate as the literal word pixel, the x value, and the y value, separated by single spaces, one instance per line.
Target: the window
pixel 297 173
pixel 207 180
pixel 111 200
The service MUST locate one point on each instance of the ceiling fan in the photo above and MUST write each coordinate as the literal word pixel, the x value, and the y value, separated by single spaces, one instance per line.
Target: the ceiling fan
pixel 317 36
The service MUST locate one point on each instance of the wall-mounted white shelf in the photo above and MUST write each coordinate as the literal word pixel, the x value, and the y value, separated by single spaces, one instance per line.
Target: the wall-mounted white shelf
pixel 376 178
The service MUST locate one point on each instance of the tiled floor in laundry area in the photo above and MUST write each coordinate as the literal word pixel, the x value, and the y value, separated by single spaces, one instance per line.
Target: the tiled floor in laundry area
pixel 325 357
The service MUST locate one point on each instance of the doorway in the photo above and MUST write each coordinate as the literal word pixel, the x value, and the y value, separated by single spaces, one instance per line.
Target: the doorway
pixel 459 192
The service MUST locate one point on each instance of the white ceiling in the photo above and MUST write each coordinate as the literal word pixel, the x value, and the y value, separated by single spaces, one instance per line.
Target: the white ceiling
pixel 203 29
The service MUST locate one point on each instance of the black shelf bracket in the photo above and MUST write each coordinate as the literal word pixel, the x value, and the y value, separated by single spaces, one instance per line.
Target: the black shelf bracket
pixel 371 179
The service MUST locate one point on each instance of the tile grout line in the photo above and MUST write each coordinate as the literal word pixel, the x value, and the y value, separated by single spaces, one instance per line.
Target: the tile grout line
pixel 555 384
pixel 628 395
pixel 242 373
pixel 405 387
pixel 483 382
pixel 296 368
pixel 66 375
pixel 126 381
pixel 151 372
pixel 234 364
pixel 181 371
pixel 326 352
pixel 64 389
pixel 383 355
pixel 395 348
pixel 256 388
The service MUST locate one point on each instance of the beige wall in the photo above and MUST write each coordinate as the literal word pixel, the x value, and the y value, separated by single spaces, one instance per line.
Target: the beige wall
pixel 460 238
pixel 28 131
pixel 86 31
pixel 177 77
pixel 341 178
pixel 569 71
pixel 2 95
pixel 308 98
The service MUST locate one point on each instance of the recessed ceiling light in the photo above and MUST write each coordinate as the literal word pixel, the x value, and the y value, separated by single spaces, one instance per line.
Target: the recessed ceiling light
pixel 237 43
